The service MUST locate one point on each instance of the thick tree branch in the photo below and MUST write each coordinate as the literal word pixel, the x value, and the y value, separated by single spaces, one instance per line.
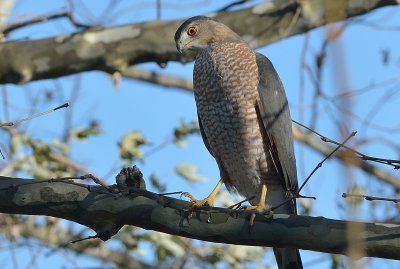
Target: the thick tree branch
pixel 106 213
pixel 115 49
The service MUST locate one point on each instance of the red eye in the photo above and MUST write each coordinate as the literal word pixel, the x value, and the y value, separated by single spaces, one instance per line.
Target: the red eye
pixel 191 31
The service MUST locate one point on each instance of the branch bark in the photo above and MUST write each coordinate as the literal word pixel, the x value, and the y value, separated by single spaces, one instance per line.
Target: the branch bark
pixel 116 48
pixel 106 213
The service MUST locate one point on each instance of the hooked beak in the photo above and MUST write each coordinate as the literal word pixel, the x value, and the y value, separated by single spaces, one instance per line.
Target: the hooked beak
pixel 180 47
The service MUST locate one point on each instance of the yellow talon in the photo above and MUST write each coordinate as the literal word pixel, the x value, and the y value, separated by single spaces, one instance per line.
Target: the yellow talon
pixel 208 201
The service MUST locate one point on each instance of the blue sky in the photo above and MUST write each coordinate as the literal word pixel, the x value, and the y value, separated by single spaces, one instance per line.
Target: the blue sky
pixel 155 110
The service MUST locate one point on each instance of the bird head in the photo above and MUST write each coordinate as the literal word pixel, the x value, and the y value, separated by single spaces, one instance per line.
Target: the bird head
pixel 198 32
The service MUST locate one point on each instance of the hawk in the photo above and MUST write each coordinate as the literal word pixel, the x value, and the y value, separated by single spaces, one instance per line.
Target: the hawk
pixel 244 120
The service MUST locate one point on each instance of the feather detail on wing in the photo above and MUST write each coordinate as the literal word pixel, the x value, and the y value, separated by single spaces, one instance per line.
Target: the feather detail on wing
pixel 274 112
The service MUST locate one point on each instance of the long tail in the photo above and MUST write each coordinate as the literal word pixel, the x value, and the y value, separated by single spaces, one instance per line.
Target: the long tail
pixel 288 258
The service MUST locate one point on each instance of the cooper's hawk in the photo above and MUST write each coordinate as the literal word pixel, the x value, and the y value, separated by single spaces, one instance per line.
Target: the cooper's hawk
pixel 244 119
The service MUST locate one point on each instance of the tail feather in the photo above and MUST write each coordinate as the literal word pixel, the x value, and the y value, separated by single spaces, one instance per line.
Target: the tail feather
pixel 288 258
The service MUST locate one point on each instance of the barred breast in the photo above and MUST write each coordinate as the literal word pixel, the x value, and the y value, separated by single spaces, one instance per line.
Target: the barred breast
pixel 225 83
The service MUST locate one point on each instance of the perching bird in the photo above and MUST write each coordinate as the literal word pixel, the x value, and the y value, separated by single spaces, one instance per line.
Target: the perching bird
pixel 244 120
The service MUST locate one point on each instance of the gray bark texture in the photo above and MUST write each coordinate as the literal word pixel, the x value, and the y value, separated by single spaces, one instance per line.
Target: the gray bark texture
pixel 115 49
pixel 106 212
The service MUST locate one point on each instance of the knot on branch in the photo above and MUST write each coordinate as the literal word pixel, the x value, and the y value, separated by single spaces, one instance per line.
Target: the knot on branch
pixel 131 177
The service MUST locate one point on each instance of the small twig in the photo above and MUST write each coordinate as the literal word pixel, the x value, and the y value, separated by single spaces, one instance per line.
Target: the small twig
pixel 326 158
pixel 394 163
pixel 83 239
pixel 170 193
pixel 371 198
pixel 159 79
pixel 67 180
pixel 12 123
pixel 293 21
pixel 11 27
pixel 65 14
pixel 96 180
pixel 306 197
pixel 231 5
pixel 237 205
pixel 319 165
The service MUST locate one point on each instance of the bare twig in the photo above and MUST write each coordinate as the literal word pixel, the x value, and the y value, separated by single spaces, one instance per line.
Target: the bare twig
pixel 325 149
pixel 394 163
pixel 65 14
pixel 233 4
pixel 83 239
pixel 67 180
pixel 378 26
pixel 238 205
pixel 97 180
pixel 319 165
pixel 12 123
pixel 326 158
pixel 371 198
pixel 159 79
pixel 170 193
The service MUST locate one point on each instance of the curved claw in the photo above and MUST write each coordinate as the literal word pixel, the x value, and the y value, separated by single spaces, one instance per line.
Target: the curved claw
pixel 259 208
pixel 209 201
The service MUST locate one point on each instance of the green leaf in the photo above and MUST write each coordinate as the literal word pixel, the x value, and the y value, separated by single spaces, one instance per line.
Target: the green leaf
pixel 18 140
pixel 85 133
pixel 129 147
pixel 184 130
pixel 190 172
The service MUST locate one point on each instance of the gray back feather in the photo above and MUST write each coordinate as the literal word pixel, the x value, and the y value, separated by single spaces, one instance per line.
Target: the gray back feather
pixel 274 110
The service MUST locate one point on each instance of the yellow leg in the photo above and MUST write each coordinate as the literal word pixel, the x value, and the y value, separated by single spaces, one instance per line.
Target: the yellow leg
pixel 261 204
pixel 209 201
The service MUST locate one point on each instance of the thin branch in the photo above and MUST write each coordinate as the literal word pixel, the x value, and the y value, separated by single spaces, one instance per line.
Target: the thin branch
pixel 159 79
pixel 11 27
pixel 319 165
pixel 12 123
pixel 371 198
pixel 391 162
pixel 381 27
pixel 233 4
pixel 325 149
pixel 96 180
